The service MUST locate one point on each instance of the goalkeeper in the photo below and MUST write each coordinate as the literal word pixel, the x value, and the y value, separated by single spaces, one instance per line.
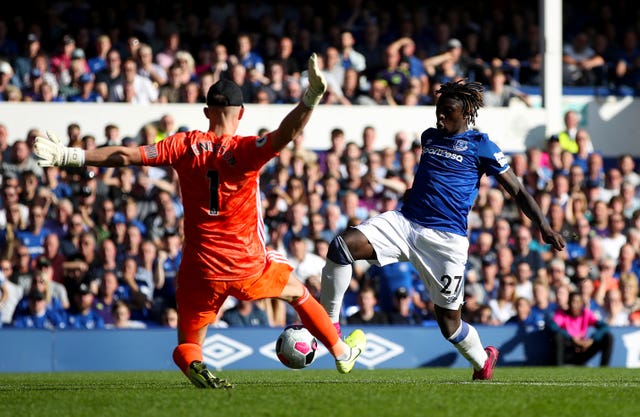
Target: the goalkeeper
pixel 224 245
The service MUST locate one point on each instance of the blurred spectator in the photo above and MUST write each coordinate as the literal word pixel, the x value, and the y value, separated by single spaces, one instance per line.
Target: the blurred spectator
pixel 307 265
pixel 523 316
pixel 524 280
pixel 107 295
pixel 246 56
pixel 86 92
pixel 615 312
pixel 367 312
pixel 285 55
pixel 581 64
pixel 101 47
pixel 403 312
pixel 567 137
pixel 394 74
pixel 245 313
pixel 11 293
pixel 106 78
pixel 616 238
pixel 352 59
pixel 627 67
pixel 61 60
pixel 131 87
pixel 627 166
pixel 23 64
pixel 33 236
pixel 166 56
pixel 169 318
pixel 502 308
pixel 21 161
pixel 83 315
pixel 572 343
pixel 38 316
pixel 500 92
pixel 122 317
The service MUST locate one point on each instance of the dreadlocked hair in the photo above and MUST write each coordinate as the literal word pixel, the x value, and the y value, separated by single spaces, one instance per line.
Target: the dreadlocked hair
pixel 470 95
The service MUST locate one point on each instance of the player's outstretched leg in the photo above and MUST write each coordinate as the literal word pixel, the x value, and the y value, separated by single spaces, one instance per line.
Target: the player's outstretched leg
pixel 486 372
pixel 202 377
pixel 357 341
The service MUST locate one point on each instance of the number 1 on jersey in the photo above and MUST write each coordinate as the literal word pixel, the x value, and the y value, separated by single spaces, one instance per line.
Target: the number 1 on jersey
pixel 214 197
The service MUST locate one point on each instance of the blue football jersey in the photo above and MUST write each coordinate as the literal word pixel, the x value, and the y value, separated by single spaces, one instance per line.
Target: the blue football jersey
pixel 446 183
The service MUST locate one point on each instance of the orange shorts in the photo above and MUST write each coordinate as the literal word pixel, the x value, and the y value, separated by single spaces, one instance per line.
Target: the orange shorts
pixel 199 299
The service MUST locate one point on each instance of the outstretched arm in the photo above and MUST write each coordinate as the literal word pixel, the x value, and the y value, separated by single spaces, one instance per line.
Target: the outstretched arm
pixel 294 122
pixel 530 208
pixel 52 153
pixel 113 156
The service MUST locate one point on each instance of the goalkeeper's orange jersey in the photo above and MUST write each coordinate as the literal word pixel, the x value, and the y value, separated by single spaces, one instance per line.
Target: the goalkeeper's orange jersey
pixel 219 182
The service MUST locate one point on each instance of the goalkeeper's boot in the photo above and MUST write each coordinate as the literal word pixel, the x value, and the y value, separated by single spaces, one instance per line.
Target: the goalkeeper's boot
pixel 357 341
pixel 202 377
pixel 486 372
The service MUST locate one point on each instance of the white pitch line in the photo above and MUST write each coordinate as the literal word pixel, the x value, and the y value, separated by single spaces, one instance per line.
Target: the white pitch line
pixel 555 384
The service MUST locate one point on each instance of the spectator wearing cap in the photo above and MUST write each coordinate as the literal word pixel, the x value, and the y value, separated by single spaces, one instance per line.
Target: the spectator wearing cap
pixel 44 270
pixel 55 294
pixel 61 61
pixel 86 93
pixel 388 279
pixel 70 84
pixel 39 75
pixel 82 314
pixel 37 315
pixel 445 66
pixel 6 74
pixel 23 64
pixel 403 312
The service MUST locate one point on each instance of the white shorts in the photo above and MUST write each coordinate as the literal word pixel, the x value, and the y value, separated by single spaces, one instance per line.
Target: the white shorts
pixel 439 257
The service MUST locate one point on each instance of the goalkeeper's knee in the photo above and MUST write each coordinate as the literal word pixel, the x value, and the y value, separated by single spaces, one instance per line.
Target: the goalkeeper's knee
pixel 339 252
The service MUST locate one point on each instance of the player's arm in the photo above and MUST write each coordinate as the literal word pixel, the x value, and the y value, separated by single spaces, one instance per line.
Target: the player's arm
pixel 531 209
pixel 294 122
pixel 113 156
pixel 52 153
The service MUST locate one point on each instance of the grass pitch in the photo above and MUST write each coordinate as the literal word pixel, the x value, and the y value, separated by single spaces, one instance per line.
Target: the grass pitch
pixel 432 392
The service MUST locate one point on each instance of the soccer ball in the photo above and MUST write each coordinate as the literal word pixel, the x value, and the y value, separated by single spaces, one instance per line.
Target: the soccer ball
pixel 296 347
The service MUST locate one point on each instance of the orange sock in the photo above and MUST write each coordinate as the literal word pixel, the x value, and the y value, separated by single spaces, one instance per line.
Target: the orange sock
pixel 315 319
pixel 186 353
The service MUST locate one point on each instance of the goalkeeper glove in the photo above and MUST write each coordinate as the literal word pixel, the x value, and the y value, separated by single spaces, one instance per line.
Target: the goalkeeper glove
pixel 52 153
pixel 317 84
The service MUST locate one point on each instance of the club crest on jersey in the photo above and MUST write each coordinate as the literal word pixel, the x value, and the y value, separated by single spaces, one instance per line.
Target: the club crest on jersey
pixel 261 141
pixel 460 145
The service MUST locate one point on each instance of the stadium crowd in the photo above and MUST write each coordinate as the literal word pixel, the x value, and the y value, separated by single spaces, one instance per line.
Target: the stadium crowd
pixel 96 248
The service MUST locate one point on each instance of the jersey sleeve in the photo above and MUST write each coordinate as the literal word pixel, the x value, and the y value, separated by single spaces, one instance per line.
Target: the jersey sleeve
pixel 492 159
pixel 256 151
pixel 165 152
